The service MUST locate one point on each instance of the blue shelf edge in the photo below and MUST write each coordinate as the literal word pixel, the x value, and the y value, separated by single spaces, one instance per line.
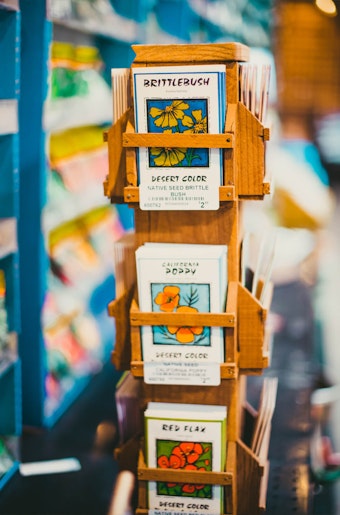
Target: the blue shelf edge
pixel 107 336
pixel 32 192
pixel 9 474
pixel 69 398
pixel 10 382
pixel 10 265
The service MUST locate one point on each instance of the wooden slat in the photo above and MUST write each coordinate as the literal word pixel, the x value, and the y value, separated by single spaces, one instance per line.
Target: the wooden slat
pixel 228 370
pixel 181 476
pixel 226 193
pixel 249 476
pixel 185 54
pixel 182 140
pixel 231 467
pixel 251 325
pixel 119 309
pixel 183 319
pixel 250 151
pixel 131 161
pixel 115 181
pixel 264 487
pixel 266 134
pixel 266 188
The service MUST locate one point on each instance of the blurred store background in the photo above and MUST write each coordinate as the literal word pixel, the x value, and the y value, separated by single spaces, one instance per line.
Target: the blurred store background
pixel 57 230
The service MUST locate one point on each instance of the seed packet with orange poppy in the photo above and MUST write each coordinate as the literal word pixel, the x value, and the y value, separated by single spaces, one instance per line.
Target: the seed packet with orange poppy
pixel 186 279
pixel 185 437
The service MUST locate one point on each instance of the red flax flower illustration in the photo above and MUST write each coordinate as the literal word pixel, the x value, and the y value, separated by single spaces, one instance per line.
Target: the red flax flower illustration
pixel 191 450
pixel 184 454
pixel 189 488
pixel 189 456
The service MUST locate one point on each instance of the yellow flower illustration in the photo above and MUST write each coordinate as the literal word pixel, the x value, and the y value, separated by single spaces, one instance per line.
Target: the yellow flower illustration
pixel 198 125
pixel 169 116
pixel 168 299
pixel 167 156
pixel 185 334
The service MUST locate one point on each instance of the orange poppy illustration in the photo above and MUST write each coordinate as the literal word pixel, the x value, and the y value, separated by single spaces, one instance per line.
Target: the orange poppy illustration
pixel 185 334
pixel 168 298
pixel 186 299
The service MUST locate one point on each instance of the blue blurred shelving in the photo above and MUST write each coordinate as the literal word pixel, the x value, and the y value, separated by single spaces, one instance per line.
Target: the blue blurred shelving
pixel 27 30
pixel 38 31
pixel 10 416
pixel 10 366
pixel 10 397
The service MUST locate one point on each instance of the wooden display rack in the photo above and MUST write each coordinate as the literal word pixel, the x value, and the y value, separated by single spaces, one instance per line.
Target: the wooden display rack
pixel 244 324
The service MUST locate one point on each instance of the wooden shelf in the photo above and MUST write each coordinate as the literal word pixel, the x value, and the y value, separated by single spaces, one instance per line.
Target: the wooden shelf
pixel 225 479
pixel 250 319
pixel 243 142
pixel 244 319
pixel 236 451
